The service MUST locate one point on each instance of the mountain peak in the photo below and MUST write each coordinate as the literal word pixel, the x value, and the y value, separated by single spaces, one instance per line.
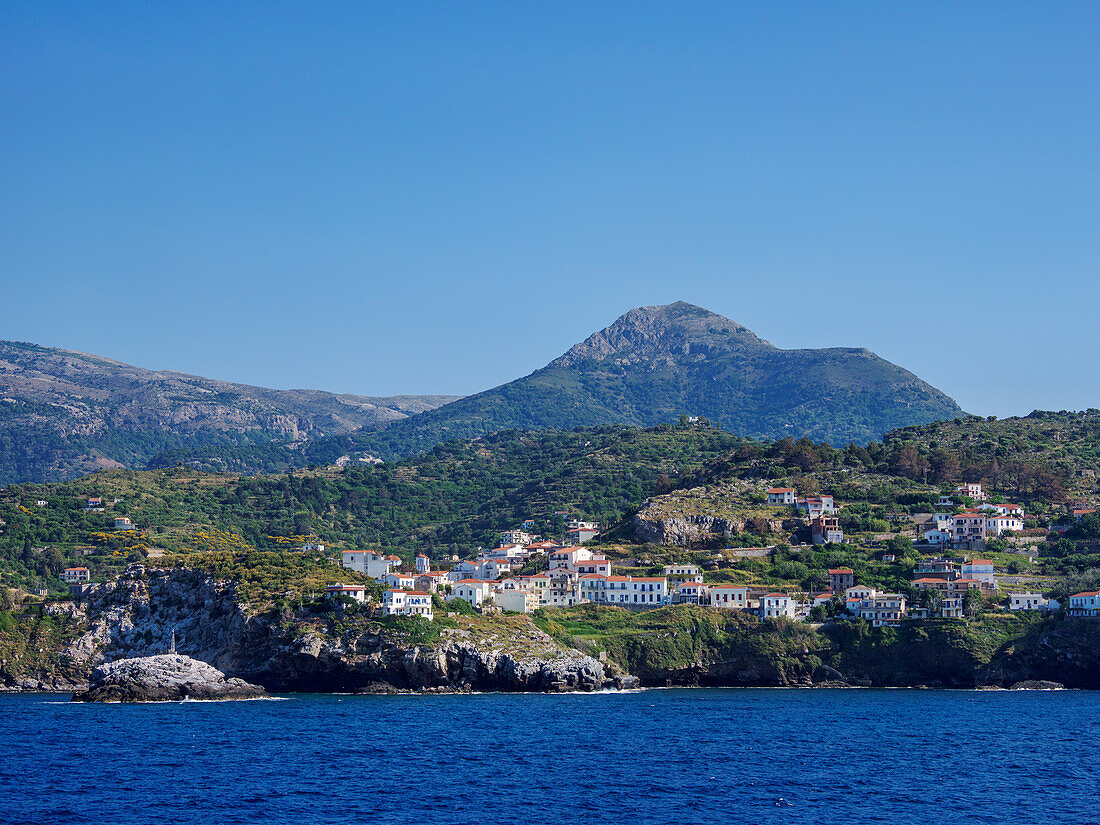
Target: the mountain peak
pixel 657 333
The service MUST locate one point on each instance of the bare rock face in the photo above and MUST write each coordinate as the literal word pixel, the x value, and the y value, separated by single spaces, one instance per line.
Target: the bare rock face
pixel 165 678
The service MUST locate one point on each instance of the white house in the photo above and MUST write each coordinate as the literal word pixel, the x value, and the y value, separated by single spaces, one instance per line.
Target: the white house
pixel 623 590
pixel 75 575
pixel 980 570
pixel 407 603
pixel 861 592
pixel 952 607
pixel 519 537
pixel 773 605
pixel 1000 524
pixel 313 547
pixel 1085 604
pixel 400 581
pixel 580 535
pixel 354 591
pixel 123 523
pixel 691 593
pixel 815 506
pixel 562 589
pixel 729 596
pixel 581 531
pixel 354 560
pixel 1003 509
pixel 973 491
pixel 493 568
pixel 1027 601
pixel 882 609
pixel 566 556
pixel 465 569
pixel 968 526
pixel 781 495
pixel 691 572
pixel 366 562
pixel 574 524
pixel 936 536
pixel 471 591
pixel 423 563
pixel 516 552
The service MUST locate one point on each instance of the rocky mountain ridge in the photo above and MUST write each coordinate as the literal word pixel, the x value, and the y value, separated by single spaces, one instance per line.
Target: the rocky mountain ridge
pixel 65 413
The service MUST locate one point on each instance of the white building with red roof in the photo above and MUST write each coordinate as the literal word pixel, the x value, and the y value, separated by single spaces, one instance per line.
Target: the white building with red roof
pixel 981 570
pixel 401 581
pixel 75 575
pixel 397 602
pixel 773 605
pixel 1084 604
pixel 781 495
pixel 971 491
pixel 464 569
pixel 472 591
pixel 816 506
pixel 368 563
pixel 967 527
pixel 566 556
pixel 423 563
pixel 691 592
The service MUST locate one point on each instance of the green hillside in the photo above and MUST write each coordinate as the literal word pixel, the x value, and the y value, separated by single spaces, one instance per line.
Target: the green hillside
pixel 461 494
pixel 454 499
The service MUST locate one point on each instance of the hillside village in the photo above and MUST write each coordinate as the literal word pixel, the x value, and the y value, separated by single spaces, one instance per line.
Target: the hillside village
pixel 501 579
pixel 790 531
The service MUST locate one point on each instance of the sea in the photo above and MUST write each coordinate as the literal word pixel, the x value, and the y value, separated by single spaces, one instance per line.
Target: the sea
pixel 906 757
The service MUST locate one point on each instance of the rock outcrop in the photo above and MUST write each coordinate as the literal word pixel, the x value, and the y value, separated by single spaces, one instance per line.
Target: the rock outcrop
pixel 166 678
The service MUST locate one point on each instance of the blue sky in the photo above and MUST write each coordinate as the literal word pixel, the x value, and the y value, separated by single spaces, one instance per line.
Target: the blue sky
pixel 422 197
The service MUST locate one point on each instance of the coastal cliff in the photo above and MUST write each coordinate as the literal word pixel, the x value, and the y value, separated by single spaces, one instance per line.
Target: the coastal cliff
pixel 342 649
pixel 347 648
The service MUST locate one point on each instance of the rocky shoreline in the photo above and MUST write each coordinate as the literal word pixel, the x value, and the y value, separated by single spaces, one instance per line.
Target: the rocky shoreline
pixel 166 678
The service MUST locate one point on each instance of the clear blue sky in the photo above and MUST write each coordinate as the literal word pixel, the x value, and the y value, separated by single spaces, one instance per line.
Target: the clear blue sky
pixel 422 197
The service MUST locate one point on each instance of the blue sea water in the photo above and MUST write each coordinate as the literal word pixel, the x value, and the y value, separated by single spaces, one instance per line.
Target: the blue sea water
pixel 657 756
